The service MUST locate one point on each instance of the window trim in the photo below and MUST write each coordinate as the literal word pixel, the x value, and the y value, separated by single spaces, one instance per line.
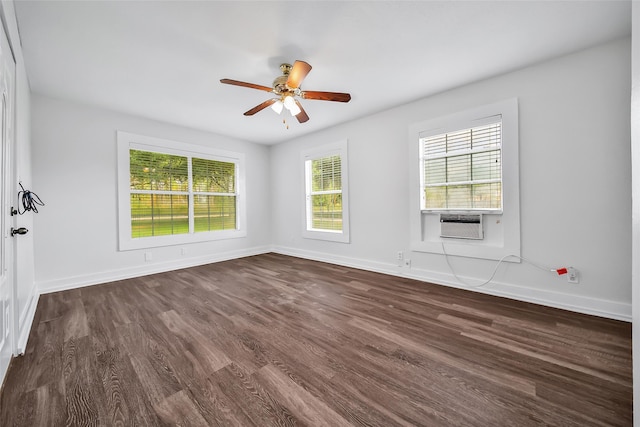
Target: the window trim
pixel 338 148
pixel 127 141
pixel 503 236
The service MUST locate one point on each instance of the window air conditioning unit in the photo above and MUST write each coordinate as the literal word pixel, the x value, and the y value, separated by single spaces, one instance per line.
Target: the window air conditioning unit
pixel 461 226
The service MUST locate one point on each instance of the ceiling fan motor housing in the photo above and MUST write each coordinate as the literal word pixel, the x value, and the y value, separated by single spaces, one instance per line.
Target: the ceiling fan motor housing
pixel 280 83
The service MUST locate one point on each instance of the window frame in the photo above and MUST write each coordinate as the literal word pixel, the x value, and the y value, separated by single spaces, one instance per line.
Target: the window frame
pixel 501 229
pixel 336 149
pixel 127 141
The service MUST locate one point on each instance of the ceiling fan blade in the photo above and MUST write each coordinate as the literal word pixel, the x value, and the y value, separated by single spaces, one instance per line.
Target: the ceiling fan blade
pixel 326 96
pixel 302 115
pixel 297 74
pixel 260 107
pixel 245 84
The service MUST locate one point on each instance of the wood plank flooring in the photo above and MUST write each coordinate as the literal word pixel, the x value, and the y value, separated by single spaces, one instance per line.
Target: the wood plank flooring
pixel 272 340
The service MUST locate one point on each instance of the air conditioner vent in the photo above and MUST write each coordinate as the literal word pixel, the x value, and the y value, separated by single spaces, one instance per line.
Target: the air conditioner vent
pixel 461 226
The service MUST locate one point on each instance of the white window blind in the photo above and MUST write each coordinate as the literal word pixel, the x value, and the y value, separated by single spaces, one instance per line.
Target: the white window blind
pixel 214 195
pixel 324 198
pixel 172 194
pixel 326 192
pixel 462 170
pixel 159 185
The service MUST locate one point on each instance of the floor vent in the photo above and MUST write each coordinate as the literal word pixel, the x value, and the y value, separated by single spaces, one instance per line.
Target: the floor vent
pixel 461 226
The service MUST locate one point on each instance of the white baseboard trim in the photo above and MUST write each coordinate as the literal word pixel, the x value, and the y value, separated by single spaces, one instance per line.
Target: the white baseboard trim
pixel 73 282
pixel 576 303
pixel 571 302
pixel 26 321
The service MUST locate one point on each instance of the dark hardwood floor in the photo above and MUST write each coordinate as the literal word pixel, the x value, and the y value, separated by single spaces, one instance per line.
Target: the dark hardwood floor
pixel 275 340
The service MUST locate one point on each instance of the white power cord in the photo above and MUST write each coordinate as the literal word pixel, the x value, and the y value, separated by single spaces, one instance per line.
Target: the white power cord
pixel 495 270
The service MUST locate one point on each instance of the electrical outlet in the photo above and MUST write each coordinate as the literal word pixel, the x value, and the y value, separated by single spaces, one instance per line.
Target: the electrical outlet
pixel 148 256
pixel 572 275
pixel 399 258
pixel 407 263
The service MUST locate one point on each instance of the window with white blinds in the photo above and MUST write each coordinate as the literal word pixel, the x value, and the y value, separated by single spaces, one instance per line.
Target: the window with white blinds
pixel 173 193
pixel 467 161
pixel 159 194
pixel 324 198
pixel 326 193
pixel 214 195
pixel 461 170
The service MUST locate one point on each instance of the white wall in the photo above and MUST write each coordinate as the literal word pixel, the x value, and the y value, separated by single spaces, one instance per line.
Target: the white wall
pixel 74 172
pixel 575 183
pixel 635 166
pixel 26 295
pixel 575 179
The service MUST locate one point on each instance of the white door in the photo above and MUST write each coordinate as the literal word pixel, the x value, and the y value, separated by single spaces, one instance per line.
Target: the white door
pixel 7 190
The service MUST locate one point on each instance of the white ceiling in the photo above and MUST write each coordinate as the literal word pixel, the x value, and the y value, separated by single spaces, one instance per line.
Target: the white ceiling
pixel 164 59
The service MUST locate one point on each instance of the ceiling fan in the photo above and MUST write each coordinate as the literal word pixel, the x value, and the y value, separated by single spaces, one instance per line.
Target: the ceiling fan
pixel 287 87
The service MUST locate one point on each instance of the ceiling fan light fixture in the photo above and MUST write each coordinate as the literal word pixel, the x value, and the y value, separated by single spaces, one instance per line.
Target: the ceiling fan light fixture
pixel 277 106
pixel 294 109
pixel 289 102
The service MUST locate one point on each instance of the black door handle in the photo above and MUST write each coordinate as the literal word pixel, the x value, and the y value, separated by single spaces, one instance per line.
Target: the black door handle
pixel 20 230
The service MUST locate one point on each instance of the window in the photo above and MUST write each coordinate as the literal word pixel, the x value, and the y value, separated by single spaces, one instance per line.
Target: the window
pixel 173 193
pixel 324 197
pixel 467 161
pixel 462 170
pixel 215 196
pixel 159 194
pixel 326 207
